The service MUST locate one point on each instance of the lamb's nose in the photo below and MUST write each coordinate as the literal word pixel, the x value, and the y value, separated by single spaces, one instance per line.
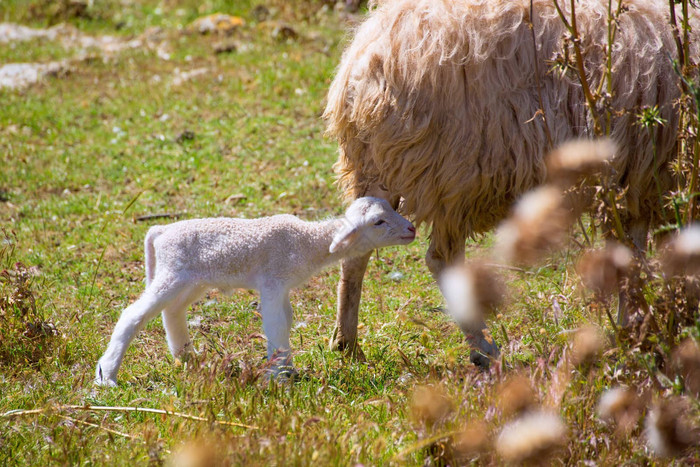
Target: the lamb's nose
pixel 412 229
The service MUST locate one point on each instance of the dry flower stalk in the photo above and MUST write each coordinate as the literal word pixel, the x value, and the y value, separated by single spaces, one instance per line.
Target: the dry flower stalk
pixel 516 395
pixel 667 430
pixel 471 440
pixel 603 270
pixel 196 453
pixel 686 360
pixel 471 291
pixel 538 225
pixel 535 436
pixel 586 345
pixel 578 159
pixel 622 407
pixel 682 253
pixel 430 405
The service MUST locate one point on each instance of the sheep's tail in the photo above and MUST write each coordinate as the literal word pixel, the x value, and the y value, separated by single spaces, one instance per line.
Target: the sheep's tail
pixel 150 252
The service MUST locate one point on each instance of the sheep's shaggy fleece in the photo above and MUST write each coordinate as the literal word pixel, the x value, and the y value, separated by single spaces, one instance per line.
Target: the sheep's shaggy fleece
pixel 436 101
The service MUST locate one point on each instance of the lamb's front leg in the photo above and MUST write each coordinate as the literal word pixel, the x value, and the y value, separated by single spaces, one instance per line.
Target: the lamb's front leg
pixel 276 314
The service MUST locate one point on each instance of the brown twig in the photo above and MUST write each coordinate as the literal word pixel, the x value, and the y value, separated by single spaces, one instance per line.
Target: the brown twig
pixel 550 142
pixel 424 443
pixel 693 182
pixel 686 31
pixel 508 267
pixel 575 40
pixel 63 408
pixel 165 215
pixel 612 31
pixel 676 35
pixel 94 425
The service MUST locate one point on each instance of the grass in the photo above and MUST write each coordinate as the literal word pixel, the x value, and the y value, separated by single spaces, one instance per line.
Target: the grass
pixel 85 154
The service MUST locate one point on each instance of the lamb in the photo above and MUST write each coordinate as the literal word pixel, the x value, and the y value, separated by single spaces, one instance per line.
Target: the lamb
pixel 448 108
pixel 272 255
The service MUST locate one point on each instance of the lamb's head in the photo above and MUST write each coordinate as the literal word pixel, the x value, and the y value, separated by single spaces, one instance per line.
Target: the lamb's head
pixel 371 223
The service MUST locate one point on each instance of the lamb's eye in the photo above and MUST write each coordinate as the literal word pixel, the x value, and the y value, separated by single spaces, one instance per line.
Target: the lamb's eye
pixel 380 222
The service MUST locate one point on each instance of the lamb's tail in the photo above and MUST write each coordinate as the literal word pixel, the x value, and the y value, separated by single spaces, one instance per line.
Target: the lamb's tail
pixel 150 252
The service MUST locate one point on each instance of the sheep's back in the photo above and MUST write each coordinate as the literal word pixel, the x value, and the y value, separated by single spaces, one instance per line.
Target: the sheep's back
pixel 438 102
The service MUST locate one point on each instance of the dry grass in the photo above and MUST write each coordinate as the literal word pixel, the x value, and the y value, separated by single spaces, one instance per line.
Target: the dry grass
pixel 86 154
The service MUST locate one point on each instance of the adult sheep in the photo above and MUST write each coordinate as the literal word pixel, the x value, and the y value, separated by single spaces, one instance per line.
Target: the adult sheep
pixel 436 105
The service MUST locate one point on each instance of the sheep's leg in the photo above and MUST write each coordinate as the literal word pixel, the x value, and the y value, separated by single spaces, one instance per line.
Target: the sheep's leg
pixel 352 273
pixel 638 231
pixel 132 319
pixel 276 314
pixel 478 334
pixel 175 321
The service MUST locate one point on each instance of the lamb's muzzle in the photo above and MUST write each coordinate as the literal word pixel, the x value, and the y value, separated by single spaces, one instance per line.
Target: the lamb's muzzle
pixel 271 255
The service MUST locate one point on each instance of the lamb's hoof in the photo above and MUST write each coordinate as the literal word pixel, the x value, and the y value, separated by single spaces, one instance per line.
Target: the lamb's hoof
pixel 287 374
pixel 102 380
pixel 350 350
pixel 282 375
pixel 187 353
pixel 105 383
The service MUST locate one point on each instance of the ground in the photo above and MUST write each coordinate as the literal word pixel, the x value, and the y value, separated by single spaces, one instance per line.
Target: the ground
pixel 143 120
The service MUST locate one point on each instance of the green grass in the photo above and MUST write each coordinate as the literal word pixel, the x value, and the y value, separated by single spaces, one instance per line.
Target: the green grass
pixel 84 154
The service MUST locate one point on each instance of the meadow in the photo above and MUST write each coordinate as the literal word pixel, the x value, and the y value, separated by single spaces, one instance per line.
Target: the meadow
pixel 174 124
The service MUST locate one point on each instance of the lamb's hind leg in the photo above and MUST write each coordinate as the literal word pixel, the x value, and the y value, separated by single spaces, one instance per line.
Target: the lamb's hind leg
pixel 132 319
pixel 175 321
pixel 446 250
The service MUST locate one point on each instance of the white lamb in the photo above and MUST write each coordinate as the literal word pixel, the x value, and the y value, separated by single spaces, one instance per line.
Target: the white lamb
pixel 272 255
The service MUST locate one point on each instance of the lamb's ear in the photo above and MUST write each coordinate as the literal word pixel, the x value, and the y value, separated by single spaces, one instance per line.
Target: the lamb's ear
pixel 343 239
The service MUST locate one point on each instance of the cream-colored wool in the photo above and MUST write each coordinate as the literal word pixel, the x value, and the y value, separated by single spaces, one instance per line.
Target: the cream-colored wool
pixel 436 107
pixel 271 255
pixel 436 101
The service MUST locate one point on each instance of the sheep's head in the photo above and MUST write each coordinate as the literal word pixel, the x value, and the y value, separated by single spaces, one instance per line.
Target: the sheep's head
pixel 371 223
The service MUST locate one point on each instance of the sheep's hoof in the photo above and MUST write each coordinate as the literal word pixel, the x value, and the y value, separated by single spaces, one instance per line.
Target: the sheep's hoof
pixel 485 351
pixel 351 349
pixel 480 360
pixel 483 345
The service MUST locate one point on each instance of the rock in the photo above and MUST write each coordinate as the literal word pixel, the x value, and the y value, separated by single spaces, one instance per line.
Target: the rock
pixel 217 23
pixel 187 135
pixel 235 199
pixel 225 47
pixel 20 75
pixel 284 32
pixel 260 13
pixel 182 76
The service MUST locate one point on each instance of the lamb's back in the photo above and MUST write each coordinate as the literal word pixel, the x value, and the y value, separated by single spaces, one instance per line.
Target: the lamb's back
pixel 231 247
